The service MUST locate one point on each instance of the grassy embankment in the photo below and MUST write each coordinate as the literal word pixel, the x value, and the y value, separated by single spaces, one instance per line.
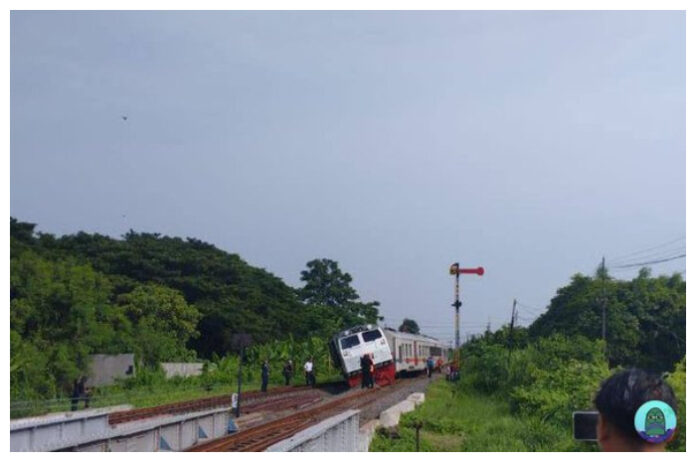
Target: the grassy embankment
pixel 152 390
pixel 455 419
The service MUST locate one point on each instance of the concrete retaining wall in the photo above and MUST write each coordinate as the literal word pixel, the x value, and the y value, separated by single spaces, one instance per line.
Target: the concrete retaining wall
pixel 365 435
pixel 51 432
pixel 335 434
pixel 169 433
pixel 390 417
pixel 90 431
pixel 105 369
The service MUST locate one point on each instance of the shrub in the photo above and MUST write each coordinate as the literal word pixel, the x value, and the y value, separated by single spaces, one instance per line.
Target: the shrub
pixel 546 380
pixel 677 380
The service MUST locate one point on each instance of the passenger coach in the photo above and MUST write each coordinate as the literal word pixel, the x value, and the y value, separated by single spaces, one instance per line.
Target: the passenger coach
pixel 411 351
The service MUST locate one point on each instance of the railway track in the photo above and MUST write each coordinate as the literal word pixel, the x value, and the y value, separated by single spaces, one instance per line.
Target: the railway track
pixel 253 401
pixel 265 435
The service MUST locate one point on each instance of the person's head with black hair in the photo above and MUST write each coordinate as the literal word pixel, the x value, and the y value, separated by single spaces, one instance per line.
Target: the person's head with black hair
pixel 618 400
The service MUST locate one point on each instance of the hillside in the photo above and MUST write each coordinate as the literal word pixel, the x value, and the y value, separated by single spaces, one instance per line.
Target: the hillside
pixel 164 298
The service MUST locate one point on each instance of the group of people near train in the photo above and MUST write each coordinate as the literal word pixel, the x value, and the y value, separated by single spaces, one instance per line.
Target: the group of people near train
pixel 288 372
pixel 367 369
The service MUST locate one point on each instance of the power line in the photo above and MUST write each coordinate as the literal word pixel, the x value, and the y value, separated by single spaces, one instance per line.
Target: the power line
pixel 674 257
pixel 650 256
pixel 528 310
pixel 637 252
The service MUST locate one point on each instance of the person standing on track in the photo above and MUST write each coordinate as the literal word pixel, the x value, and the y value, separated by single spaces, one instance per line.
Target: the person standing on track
pixel 365 370
pixel 371 374
pixel 265 373
pixel 431 366
pixel 309 372
pixel 287 371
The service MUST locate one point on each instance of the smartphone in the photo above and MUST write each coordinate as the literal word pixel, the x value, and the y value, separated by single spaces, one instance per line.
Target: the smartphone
pixel 585 425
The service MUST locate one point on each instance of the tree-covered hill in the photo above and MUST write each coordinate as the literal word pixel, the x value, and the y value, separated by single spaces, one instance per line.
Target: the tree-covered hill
pixel 164 298
pixel 645 319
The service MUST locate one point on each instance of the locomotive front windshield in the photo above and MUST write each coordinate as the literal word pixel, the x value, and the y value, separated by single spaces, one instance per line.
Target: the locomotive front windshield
pixel 371 335
pixel 349 342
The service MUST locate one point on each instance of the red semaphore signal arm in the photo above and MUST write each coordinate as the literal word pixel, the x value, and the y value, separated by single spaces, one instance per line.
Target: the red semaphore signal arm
pixel 478 271
pixel 455 269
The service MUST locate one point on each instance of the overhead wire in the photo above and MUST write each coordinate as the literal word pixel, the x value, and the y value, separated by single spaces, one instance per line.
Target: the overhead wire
pixel 650 256
pixel 652 262
pixel 637 252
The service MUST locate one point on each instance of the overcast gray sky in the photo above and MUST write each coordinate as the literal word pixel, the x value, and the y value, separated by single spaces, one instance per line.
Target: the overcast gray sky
pixel 530 143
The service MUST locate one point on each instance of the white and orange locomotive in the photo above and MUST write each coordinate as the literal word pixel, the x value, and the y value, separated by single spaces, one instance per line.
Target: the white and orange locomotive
pixel 392 352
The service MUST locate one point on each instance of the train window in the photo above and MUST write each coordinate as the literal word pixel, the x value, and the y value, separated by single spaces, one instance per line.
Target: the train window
pixel 349 342
pixel 435 351
pixel 371 335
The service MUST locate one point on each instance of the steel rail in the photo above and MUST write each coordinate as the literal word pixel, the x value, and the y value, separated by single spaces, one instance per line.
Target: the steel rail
pixel 203 403
pixel 265 435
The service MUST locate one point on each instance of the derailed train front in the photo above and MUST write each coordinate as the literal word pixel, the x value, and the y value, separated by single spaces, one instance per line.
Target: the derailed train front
pixel 348 346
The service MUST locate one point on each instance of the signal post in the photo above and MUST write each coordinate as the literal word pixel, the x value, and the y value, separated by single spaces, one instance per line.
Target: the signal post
pixel 455 270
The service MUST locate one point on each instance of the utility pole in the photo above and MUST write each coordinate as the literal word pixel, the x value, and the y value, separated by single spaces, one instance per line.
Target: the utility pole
pixel 240 341
pixel 604 304
pixel 512 326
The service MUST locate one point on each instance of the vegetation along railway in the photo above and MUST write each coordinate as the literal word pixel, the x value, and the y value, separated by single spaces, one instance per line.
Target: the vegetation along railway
pixel 267 418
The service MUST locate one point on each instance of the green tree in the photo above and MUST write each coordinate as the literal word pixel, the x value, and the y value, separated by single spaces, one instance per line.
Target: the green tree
pixel 57 314
pixel 678 382
pixel 162 322
pixel 645 317
pixel 326 285
pixel 410 326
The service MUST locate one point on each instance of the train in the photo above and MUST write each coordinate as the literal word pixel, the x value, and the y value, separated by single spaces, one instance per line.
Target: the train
pixel 394 353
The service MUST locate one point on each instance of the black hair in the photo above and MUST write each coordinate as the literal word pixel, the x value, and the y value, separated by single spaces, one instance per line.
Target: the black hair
pixel 620 396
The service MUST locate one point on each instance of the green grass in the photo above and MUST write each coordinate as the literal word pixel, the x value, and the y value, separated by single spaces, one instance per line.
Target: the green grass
pixel 455 420
pixel 154 394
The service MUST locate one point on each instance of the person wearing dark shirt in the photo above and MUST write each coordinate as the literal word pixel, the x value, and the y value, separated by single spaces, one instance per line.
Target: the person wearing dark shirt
pixel 79 393
pixel 371 371
pixel 365 370
pixel 265 372
pixel 287 372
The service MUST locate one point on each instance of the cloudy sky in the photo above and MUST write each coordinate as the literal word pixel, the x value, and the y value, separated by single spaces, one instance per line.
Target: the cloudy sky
pixel 530 143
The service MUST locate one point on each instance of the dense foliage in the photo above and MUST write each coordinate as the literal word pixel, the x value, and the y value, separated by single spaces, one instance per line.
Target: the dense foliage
pixel 549 378
pixel 555 367
pixel 458 419
pixel 163 298
pixel 646 317
pixel 677 380
pixel 526 382
pixel 519 400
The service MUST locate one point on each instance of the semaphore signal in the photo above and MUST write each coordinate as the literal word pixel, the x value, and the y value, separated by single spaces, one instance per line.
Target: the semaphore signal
pixel 455 270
